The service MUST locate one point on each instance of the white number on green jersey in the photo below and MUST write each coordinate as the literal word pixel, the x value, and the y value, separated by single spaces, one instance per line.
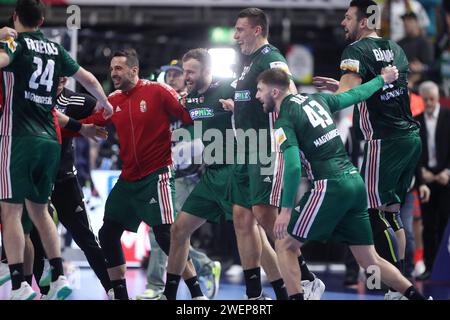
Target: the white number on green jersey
pixel 317 115
pixel 46 77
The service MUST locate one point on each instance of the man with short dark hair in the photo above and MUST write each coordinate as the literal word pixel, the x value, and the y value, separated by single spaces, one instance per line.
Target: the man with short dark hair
pixel 385 121
pixel 143 111
pixel 30 141
pixel 255 189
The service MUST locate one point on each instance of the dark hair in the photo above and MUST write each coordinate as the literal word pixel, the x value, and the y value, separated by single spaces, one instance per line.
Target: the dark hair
pixel 275 77
pixel 199 54
pixel 131 55
pixel 256 17
pixel 30 12
pixel 362 6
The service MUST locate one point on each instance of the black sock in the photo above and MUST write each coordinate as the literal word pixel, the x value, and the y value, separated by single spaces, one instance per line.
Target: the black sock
pixel 17 276
pixel 253 282
pixel 306 274
pixel 172 282
pixel 297 296
pixel 412 294
pixel 280 289
pixel 56 266
pixel 120 289
pixel 29 279
pixel 194 287
pixel 44 290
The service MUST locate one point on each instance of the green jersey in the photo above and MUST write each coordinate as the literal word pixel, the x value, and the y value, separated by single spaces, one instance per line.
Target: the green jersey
pixel 305 121
pixel 207 109
pixel 248 111
pixel 387 113
pixel 30 83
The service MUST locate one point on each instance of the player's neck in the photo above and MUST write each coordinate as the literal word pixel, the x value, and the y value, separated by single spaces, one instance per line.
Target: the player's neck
pixel 206 86
pixel 132 85
pixel 260 42
pixel 279 100
pixel 368 34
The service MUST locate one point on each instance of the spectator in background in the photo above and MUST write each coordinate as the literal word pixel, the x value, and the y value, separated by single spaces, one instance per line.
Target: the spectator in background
pixel 417 48
pixel 391 22
pixel 443 51
pixel 434 166
pixel 431 7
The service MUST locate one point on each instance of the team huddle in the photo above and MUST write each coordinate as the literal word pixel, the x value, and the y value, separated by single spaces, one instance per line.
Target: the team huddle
pixel 254 186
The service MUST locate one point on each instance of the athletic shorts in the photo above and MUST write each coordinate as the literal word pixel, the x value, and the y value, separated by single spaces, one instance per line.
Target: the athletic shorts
pixel 208 199
pixel 334 209
pixel 150 199
pixel 254 184
pixel 388 168
pixel 29 168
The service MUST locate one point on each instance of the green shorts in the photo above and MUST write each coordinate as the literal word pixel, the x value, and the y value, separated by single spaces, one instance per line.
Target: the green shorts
pixel 208 199
pixel 253 184
pixel 29 168
pixel 334 209
pixel 388 168
pixel 150 200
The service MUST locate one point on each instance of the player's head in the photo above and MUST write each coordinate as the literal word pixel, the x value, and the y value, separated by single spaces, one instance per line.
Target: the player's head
pixel 272 84
pixel 411 24
pixel 197 69
pixel 28 14
pixel 429 91
pixel 124 69
pixel 356 18
pixel 251 26
pixel 174 75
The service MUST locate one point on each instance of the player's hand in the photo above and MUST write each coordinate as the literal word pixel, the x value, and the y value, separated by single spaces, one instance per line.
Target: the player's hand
pixel 324 83
pixel 6 32
pixel 227 104
pixel 428 176
pixel 281 224
pixel 94 132
pixel 443 177
pixel 389 74
pixel 106 107
pixel 424 193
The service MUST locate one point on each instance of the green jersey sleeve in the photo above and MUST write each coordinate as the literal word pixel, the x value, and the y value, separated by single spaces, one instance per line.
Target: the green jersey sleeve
pixel 354 95
pixel 291 176
pixel 285 133
pixel 69 66
pixel 352 61
pixel 11 47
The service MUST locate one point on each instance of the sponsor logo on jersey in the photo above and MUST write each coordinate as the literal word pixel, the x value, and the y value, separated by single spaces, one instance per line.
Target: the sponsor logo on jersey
pixel 350 65
pixel 383 55
pixel 280 136
pixel 266 50
pixel 267 179
pixel 118 109
pixel 152 201
pixel 281 65
pixel 200 113
pixel 143 106
pixel 243 95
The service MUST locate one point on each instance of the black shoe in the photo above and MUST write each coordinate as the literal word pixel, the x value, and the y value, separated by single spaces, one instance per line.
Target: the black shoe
pixel 424 276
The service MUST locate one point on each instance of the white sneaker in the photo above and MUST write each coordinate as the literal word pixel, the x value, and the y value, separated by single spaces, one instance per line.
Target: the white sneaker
pixel 5 275
pixel 234 271
pixel 394 295
pixel 150 294
pixel 430 298
pixel 59 289
pixel 211 281
pixel 313 290
pixel 261 297
pixel 25 292
pixel 111 294
pixel 419 268
pixel 199 298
